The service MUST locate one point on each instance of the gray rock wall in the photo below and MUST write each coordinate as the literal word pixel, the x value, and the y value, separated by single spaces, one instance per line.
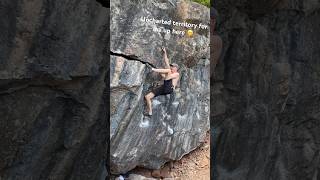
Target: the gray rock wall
pixel 181 120
pixel 266 91
pixel 53 89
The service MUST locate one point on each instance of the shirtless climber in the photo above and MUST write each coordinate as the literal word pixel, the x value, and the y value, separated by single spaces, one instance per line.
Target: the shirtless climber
pixel 170 75
pixel 216 42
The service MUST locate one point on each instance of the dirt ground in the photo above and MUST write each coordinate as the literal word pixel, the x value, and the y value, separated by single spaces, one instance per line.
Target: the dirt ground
pixel 193 166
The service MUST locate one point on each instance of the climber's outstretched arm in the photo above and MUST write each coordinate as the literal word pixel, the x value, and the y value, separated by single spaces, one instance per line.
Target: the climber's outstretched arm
pixel 162 71
pixel 165 58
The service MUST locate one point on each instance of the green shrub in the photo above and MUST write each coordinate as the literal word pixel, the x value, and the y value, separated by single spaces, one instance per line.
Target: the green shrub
pixel 203 2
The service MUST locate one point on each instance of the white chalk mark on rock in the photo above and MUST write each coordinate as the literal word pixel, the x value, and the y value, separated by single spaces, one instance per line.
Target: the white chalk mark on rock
pixel 160 135
pixel 144 124
pixel 175 104
pixel 170 130
pixel 206 109
pixel 182 117
pixel 156 102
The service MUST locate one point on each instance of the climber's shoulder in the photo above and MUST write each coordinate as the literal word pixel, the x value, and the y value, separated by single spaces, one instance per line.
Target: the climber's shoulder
pixel 216 48
pixel 217 41
pixel 175 75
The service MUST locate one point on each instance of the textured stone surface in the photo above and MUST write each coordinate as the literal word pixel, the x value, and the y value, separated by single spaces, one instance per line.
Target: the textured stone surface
pixel 180 121
pixel 139 177
pixel 266 109
pixel 53 68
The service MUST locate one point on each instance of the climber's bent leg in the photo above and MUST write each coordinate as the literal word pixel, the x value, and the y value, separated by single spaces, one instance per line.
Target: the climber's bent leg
pixel 148 98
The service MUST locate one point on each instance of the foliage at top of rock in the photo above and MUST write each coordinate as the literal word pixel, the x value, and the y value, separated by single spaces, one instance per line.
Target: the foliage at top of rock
pixel 203 2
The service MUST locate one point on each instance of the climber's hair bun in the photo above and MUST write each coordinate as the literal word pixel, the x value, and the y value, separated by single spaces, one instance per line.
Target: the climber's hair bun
pixel 175 65
pixel 213 13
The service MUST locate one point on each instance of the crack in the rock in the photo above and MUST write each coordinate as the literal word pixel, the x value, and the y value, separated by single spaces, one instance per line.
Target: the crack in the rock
pixel 132 58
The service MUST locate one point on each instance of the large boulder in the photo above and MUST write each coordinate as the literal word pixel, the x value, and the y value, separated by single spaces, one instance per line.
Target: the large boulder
pixel 266 92
pixel 180 120
pixel 53 89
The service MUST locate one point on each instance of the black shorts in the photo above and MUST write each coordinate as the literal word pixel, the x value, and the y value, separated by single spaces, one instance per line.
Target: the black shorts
pixel 162 90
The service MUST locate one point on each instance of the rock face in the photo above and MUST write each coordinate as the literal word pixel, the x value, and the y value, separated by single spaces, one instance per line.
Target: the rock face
pixel 180 120
pixel 266 92
pixel 53 89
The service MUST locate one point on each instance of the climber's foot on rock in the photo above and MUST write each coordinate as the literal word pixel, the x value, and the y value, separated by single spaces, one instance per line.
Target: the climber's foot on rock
pixel 148 113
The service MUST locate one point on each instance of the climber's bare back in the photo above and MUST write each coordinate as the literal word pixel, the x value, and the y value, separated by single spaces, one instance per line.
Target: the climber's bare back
pixel 174 77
